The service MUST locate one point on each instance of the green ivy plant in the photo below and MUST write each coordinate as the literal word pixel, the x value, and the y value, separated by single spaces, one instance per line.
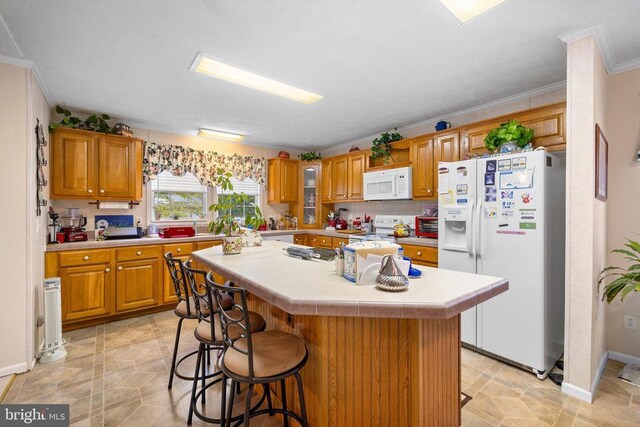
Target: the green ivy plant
pixel 512 131
pixel 310 156
pixel 627 280
pixel 381 146
pixel 95 122
pixel 225 222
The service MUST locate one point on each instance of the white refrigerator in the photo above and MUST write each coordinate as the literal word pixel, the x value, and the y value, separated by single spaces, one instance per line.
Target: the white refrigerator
pixel 504 216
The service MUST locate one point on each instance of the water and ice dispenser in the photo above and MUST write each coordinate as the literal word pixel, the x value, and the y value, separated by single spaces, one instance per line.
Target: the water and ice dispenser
pixel 456 229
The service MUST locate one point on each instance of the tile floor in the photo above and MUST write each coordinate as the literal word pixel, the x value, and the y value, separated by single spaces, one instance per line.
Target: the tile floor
pixel 116 375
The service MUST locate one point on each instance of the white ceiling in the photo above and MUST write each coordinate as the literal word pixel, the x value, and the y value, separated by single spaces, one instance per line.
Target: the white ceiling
pixel 378 63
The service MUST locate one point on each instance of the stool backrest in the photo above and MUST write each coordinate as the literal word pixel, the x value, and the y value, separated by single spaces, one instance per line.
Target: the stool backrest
pixel 234 320
pixel 176 270
pixel 203 298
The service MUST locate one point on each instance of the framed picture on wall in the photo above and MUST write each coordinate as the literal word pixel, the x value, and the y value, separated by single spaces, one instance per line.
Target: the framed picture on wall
pixel 602 159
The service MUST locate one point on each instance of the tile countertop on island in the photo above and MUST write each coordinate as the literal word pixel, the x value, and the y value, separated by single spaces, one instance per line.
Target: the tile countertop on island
pixel 200 237
pixel 437 294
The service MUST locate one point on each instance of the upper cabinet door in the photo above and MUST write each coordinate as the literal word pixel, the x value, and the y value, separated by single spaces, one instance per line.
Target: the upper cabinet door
pixel 447 148
pixel 117 167
pixel 289 181
pixel 474 137
pixel 339 180
pixel 327 177
pixel 548 124
pixel 73 165
pixel 355 174
pixel 422 154
pixel 272 182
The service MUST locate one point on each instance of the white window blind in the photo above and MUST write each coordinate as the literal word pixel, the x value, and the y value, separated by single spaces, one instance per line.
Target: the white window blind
pixel 170 183
pixel 247 186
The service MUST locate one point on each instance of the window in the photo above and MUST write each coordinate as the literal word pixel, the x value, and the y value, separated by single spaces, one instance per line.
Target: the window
pixel 248 187
pixel 177 198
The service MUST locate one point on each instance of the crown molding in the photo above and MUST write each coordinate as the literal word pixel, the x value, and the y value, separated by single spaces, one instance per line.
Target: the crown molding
pixel 37 73
pixel 603 41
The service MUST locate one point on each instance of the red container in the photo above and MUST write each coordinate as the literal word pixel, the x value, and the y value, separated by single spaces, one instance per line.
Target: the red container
pixel 427 226
pixel 169 232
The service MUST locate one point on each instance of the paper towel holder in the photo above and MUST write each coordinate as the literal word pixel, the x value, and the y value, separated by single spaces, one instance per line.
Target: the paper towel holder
pixel 131 204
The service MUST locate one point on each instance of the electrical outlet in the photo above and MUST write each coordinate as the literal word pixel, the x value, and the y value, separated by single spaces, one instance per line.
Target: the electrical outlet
pixel 630 322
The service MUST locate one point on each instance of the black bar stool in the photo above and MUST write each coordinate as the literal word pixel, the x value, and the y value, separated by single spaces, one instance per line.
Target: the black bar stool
pixel 209 335
pixel 184 310
pixel 256 358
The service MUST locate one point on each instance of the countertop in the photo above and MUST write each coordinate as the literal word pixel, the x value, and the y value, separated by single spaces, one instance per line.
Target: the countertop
pixel 106 244
pixel 270 274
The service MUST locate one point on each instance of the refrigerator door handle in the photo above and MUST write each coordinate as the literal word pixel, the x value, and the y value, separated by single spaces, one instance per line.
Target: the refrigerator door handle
pixel 478 218
pixel 471 235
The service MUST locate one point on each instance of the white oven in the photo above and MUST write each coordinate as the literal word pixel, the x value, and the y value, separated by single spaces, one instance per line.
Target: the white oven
pixel 388 184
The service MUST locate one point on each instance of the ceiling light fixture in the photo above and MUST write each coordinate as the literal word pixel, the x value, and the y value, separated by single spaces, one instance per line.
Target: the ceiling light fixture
pixel 225 136
pixel 207 65
pixel 465 10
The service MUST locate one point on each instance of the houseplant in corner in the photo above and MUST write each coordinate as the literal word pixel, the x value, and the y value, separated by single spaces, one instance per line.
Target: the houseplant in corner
pixel 381 146
pixel 225 222
pixel 626 280
pixel 508 135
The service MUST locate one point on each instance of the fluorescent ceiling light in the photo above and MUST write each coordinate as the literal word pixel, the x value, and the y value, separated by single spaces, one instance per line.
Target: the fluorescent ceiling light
pixel 206 65
pixel 208 133
pixel 464 10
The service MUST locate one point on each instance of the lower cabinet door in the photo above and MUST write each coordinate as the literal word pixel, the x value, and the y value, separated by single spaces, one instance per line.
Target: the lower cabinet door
pixel 169 291
pixel 137 284
pixel 87 291
pixel 205 245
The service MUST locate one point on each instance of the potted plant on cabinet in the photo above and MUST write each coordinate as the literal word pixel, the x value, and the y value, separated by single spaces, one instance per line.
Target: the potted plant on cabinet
pixel 381 146
pixel 509 136
pixel 627 280
pixel 225 221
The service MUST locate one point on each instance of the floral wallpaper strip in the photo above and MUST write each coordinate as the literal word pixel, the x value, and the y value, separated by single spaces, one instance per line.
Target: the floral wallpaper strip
pixel 202 164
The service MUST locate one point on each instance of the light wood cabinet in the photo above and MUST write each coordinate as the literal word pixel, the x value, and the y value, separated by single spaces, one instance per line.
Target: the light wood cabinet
pixel 91 165
pixel 548 124
pixel 205 245
pixel 312 240
pixel 300 239
pixel 282 181
pixel 325 242
pixel 447 148
pixel 355 178
pixel 339 184
pixel 178 250
pixel 423 160
pixel 309 204
pixel 421 255
pixel 327 179
pixel 87 291
pixel 338 240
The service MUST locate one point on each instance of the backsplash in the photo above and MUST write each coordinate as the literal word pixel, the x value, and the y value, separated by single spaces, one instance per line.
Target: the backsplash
pixel 390 207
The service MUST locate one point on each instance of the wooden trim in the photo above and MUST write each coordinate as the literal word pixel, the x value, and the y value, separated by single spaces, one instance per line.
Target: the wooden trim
pixel 70 326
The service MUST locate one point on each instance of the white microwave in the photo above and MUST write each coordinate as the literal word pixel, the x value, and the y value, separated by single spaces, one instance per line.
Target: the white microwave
pixel 389 184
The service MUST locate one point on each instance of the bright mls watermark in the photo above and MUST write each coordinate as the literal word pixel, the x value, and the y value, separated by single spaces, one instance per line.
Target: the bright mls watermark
pixel 35 415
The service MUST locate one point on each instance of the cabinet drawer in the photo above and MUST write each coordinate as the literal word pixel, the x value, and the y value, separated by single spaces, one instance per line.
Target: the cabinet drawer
pixel 206 245
pixel 424 254
pixel 77 258
pixel 176 249
pixel 312 240
pixel 138 252
pixel 300 239
pixel 325 242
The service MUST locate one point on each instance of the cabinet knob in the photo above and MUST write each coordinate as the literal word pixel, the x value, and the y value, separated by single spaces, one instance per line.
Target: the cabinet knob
pixel 282 197
pixel 89 191
pixel 139 253
pixel 179 250
pixel 119 268
pixel 107 269
pixel 101 191
pixel 86 257
pixel 419 253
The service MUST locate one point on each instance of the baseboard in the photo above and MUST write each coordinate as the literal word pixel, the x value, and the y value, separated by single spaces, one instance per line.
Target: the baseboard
pixel 14 369
pixel 624 358
pixel 579 392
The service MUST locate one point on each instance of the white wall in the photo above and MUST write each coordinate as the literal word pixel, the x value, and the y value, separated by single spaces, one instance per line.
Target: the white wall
pixel 13 227
pixel 623 205
pixel 586 219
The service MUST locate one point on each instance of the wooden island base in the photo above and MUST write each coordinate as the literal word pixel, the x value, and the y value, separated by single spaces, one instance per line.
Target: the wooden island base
pixel 366 371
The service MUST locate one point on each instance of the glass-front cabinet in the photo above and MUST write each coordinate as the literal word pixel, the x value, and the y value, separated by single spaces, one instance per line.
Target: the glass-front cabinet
pixel 310 197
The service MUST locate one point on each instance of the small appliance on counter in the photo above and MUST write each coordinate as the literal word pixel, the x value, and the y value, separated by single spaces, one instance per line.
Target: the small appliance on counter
pixel 118 233
pixel 54 226
pixel 72 226
pixel 387 225
pixel 170 232
pixel 427 226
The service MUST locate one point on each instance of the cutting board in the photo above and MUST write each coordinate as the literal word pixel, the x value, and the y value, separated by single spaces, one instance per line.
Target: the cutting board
pixel 350 231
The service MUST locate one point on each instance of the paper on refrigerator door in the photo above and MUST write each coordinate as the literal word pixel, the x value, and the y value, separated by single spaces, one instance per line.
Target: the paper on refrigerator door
pixel 516 179
pixel 444 187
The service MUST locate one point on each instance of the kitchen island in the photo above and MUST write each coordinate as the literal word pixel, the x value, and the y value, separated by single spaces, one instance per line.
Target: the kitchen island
pixel 375 358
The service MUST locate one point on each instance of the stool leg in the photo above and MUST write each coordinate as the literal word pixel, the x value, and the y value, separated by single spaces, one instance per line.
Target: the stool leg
pixel 208 355
pixel 223 400
pixel 303 407
pixel 204 373
pixel 284 403
pixel 231 399
pixel 175 353
pixel 194 387
pixel 247 406
pixel 267 392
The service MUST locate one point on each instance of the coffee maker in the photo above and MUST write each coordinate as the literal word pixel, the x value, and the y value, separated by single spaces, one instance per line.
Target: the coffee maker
pixel 72 225
pixel 54 226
